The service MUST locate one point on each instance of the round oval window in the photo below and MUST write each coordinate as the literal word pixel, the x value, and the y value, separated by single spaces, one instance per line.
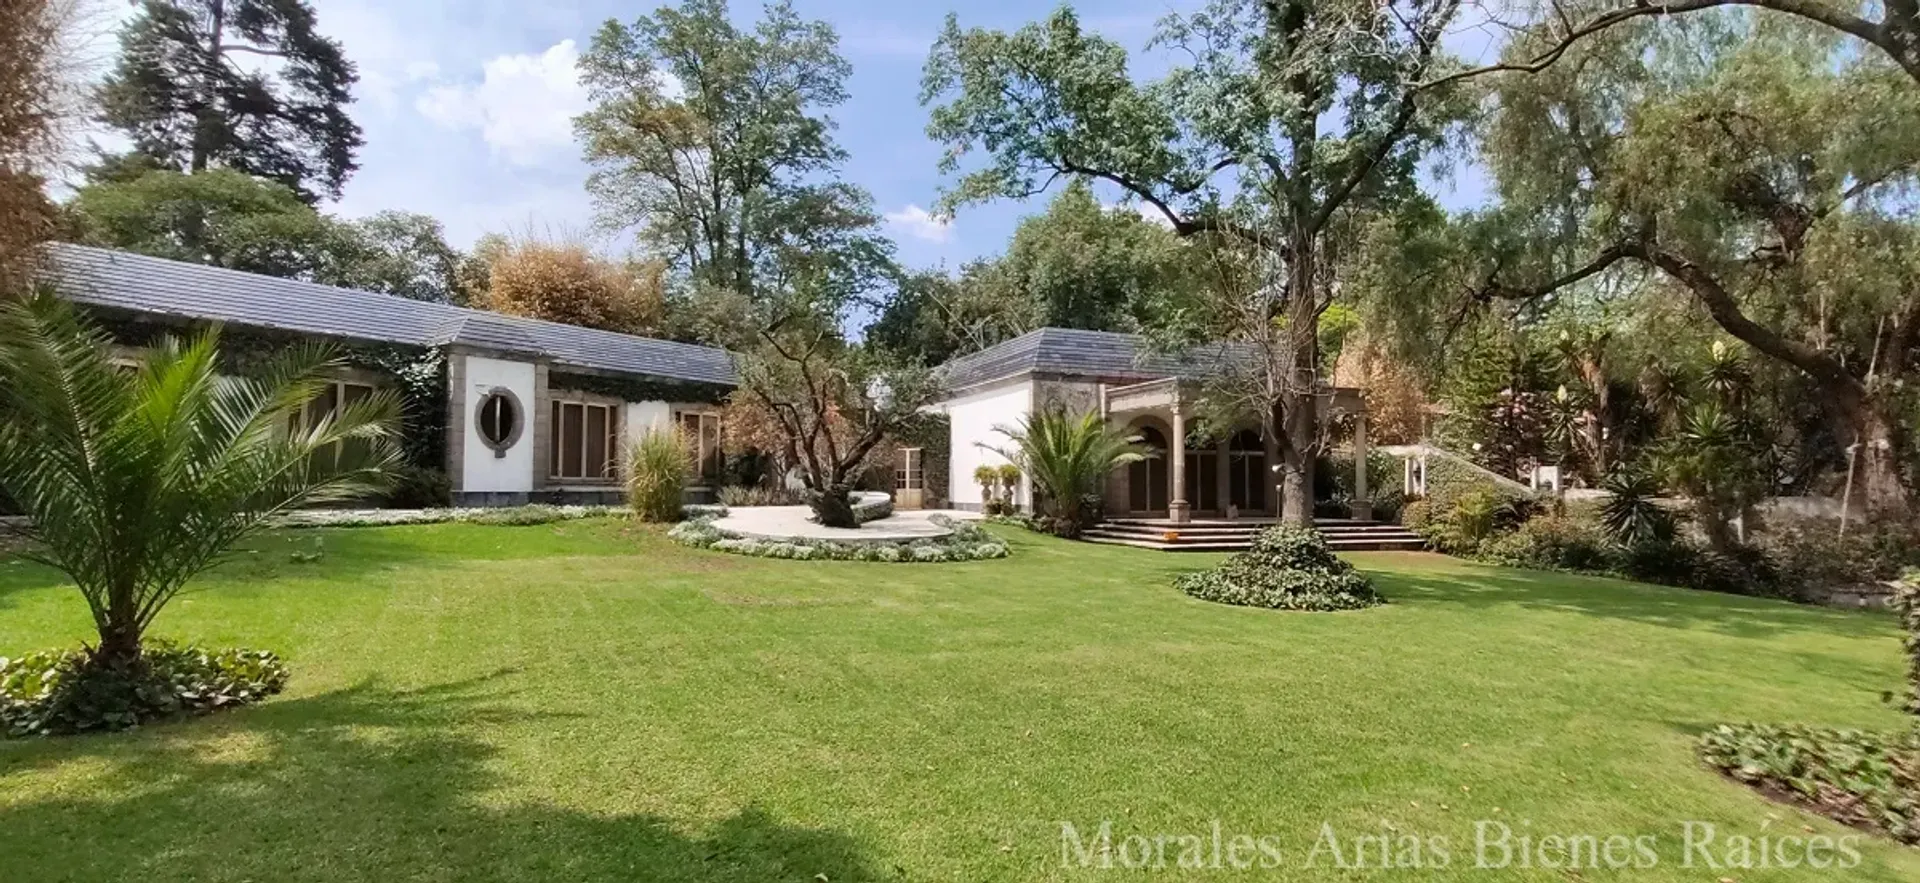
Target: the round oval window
pixel 499 420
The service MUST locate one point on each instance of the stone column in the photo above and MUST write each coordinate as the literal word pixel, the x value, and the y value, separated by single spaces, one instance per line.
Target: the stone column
pixel 1362 503
pixel 1177 451
pixel 1222 477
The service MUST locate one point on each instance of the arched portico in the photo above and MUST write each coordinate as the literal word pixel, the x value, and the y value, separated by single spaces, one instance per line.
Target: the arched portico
pixel 1231 477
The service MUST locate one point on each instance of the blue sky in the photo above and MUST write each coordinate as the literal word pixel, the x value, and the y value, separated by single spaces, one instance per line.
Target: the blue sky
pixel 466 106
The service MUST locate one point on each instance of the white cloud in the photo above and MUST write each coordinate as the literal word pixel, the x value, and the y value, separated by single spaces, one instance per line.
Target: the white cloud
pixel 921 224
pixel 523 106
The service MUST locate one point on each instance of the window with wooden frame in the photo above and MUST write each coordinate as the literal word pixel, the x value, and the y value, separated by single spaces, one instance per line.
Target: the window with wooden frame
pixel 334 396
pixel 908 474
pixel 701 430
pixel 586 441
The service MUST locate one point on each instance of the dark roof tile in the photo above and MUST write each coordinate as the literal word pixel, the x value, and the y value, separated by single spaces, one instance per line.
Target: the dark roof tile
pixel 126 281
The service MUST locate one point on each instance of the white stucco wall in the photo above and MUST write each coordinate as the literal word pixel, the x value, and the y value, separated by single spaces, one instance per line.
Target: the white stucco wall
pixel 973 418
pixel 485 470
pixel 641 418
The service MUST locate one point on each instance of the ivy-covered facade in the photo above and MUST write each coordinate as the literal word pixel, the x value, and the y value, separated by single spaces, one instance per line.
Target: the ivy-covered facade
pixel 499 410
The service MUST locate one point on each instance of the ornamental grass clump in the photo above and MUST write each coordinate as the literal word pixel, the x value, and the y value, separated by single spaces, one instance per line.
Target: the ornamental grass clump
pixel 657 479
pixel 1288 568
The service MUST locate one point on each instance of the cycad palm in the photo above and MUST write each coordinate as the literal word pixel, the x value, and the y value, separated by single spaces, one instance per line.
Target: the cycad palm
pixel 1068 457
pixel 137 477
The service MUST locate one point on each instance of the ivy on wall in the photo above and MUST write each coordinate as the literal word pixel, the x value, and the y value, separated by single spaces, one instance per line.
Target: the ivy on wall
pixel 417 374
pixel 933 435
pixel 638 389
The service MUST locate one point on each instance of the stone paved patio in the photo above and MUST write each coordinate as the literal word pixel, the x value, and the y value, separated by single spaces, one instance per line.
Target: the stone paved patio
pixel 784 522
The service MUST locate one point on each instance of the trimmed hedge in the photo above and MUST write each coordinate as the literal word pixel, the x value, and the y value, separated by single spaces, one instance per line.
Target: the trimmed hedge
pixel 58 692
pixel 1288 568
pixel 968 542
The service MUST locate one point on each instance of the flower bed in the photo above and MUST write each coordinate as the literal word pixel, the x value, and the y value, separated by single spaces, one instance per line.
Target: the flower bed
pixel 1866 780
pixel 967 542
pixel 57 692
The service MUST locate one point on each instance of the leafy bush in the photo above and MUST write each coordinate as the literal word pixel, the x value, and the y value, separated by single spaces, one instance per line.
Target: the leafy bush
pixel 1553 543
pixel 1857 778
pixel 1288 568
pixel 538 514
pixel 759 495
pixel 56 692
pixel 1811 555
pixel 417 488
pixel 1416 515
pixel 657 476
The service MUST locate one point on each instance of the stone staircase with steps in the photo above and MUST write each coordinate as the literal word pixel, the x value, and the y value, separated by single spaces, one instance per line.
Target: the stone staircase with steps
pixel 1343 535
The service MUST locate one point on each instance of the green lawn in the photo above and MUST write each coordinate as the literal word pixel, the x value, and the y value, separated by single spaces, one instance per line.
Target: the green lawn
pixel 587 701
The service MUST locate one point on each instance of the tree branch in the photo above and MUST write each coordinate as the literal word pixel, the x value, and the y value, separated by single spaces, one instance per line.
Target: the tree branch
pixel 1898 36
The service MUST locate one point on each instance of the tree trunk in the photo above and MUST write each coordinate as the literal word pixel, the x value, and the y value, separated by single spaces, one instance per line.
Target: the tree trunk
pixel 1879 485
pixel 206 119
pixel 119 646
pixel 833 507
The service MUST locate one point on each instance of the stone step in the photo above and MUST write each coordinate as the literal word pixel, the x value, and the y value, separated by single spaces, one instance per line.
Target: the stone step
pixel 1341 536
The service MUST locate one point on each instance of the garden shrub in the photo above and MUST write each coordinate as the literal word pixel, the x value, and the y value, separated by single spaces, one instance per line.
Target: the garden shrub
pixel 1862 779
pixel 1288 568
pixel 759 495
pixel 517 516
pixel 1553 543
pixel 57 692
pixel 418 488
pixel 1416 515
pixel 1906 600
pixel 657 476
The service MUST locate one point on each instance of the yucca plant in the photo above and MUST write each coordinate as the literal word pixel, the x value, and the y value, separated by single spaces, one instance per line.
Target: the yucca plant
pixel 657 475
pixel 1068 457
pixel 138 476
pixel 1629 515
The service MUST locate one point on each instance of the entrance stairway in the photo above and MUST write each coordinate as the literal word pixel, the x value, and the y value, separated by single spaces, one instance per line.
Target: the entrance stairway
pixel 1343 535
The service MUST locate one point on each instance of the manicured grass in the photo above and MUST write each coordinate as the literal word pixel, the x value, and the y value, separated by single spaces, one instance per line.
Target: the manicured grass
pixel 588 701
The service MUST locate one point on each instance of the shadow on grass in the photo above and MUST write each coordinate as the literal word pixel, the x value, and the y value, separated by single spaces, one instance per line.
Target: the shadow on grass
pixel 1735 615
pixel 366 783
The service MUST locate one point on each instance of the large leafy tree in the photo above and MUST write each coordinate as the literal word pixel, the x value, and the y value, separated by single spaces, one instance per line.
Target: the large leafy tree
pixel 563 281
pixel 403 253
pixel 1784 222
pixel 1891 27
pixel 220 217
pixel 830 402
pixel 250 85
pixel 713 141
pixel 224 218
pixel 1279 120
pixel 31 85
pixel 136 480
pixel 1081 264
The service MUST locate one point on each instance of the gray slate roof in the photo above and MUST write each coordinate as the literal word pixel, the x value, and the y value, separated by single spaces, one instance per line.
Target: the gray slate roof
pixel 1074 352
pixel 124 281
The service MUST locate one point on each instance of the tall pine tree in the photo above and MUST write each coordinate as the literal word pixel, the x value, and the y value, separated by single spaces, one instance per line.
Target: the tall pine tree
pixel 249 85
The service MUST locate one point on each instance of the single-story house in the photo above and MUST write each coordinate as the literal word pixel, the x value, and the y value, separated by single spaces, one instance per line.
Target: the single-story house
pixel 512 409
pixel 1148 391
